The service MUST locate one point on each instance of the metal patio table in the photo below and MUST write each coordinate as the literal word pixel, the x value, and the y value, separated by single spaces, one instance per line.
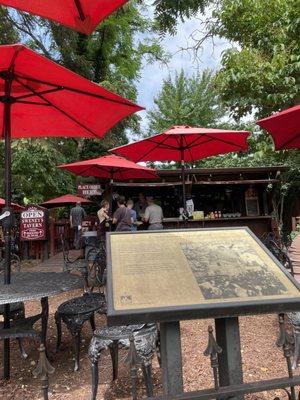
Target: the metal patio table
pixel 33 286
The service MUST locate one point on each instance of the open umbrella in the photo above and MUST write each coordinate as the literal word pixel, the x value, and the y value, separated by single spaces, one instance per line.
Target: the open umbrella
pixel 14 206
pixel 112 167
pixel 63 201
pixel 284 128
pixel 184 144
pixel 39 98
pixel 81 15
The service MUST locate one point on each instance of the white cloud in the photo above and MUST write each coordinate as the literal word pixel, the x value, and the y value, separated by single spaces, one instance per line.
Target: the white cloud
pixel 153 74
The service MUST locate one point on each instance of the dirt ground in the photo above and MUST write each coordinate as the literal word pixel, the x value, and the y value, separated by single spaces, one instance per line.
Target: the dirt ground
pixel 261 360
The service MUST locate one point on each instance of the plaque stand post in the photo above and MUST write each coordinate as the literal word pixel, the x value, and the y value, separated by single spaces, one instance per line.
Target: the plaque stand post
pixel 171 359
pixel 230 359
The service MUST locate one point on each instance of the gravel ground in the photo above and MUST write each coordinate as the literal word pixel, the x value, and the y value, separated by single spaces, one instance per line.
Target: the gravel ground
pixel 261 360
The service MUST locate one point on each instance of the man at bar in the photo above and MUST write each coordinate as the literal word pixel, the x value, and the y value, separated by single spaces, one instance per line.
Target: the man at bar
pixel 122 217
pixel 153 215
pixel 77 214
pixel 140 206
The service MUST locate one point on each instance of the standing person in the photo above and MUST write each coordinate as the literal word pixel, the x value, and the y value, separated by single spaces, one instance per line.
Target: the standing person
pixel 122 217
pixel 140 206
pixel 77 214
pixel 153 215
pixel 132 214
pixel 103 217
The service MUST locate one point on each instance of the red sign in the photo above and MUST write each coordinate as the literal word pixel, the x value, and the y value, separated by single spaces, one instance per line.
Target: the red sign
pixel 33 223
pixel 87 190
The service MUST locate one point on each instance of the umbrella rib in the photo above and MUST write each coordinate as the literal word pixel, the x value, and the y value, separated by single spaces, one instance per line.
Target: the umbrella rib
pixel 223 141
pixel 126 103
pixel 157 145
pixel 36 103
pixel 58 109
pixel 79 9
pixel 289 141
pixel 188 148
pixel 25 96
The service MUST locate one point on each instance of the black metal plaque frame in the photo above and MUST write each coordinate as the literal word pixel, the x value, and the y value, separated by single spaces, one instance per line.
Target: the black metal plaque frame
pixel 203 311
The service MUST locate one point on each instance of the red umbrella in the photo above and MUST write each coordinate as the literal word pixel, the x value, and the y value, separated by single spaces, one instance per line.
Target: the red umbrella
pixel 184 143
pixel 40 98
pixel 15 207
pixel 284 128
pixel 64 200
pixel 111 167
pixel 81 15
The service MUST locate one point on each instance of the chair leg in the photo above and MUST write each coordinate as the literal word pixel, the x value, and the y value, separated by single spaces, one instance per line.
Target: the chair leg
pixel 92 322
pixel 95 380
pixel 58 326
pixel 147 372
pixel 77 351
pixel 114 353
pixel 24 355
pixel 296 355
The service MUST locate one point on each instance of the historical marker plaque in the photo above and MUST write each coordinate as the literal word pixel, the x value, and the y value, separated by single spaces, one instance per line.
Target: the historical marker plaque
pixel 182 274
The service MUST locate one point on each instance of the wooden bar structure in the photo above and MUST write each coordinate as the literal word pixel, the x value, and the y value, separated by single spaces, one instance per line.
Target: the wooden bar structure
pixel 208 188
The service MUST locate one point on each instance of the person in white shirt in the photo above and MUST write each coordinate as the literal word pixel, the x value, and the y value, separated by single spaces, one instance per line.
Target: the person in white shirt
pixel 153 215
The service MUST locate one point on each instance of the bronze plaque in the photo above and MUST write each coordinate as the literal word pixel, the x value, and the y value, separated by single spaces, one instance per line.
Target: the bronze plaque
pixel 189 268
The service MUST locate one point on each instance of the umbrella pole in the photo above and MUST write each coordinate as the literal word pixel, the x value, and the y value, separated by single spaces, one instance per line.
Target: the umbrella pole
pixel 183 181
pixel 7 221
pixel 111 183
pixel 183 191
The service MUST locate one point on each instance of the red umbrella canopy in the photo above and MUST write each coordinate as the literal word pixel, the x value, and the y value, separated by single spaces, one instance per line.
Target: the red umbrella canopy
pixel 50 100
pixel 81 15
pixel 284 128
pixel 111 167
pixel 15 206
pixel 63 201
pixel 184 143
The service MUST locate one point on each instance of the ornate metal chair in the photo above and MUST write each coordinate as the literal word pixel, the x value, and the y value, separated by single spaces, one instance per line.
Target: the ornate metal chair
pixel 140 340
pixel 77 264
pixel 17 312
pixel 74 313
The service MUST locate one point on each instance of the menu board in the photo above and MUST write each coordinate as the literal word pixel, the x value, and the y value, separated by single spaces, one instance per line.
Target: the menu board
pixel 193 270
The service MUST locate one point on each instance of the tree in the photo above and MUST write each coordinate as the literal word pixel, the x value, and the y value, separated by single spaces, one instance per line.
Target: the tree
pixel 262 73
pixel 169 12
pixel 186 100
pixel 112 56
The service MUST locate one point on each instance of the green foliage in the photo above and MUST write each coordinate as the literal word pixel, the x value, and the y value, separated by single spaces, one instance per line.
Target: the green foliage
pixel 186 100
pixel 112 56
pixel 35 173
pixel 262 75
pixel 169 12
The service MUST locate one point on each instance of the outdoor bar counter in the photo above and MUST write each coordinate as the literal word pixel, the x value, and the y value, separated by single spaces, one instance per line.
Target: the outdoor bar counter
pixel 224 197
pixel 259 225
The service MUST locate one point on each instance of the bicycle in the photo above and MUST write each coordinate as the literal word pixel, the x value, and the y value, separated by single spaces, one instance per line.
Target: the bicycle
pixel 15 260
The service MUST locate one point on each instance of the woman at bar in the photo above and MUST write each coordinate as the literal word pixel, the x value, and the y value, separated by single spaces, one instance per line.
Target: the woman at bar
pixel 103 217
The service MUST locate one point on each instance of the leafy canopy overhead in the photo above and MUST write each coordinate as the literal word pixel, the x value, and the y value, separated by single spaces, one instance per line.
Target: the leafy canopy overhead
pixel 112 56
pixel 263 73
pixel 186 100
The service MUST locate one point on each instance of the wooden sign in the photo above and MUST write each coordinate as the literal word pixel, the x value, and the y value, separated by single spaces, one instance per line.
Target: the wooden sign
pixel 88 190
pixel 201 273
pixel 33 223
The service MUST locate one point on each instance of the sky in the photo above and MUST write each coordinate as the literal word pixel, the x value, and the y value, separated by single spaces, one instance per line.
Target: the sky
pixel 153 74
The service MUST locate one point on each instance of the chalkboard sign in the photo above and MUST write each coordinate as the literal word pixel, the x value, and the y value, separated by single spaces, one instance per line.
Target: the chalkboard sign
pixel 252 206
